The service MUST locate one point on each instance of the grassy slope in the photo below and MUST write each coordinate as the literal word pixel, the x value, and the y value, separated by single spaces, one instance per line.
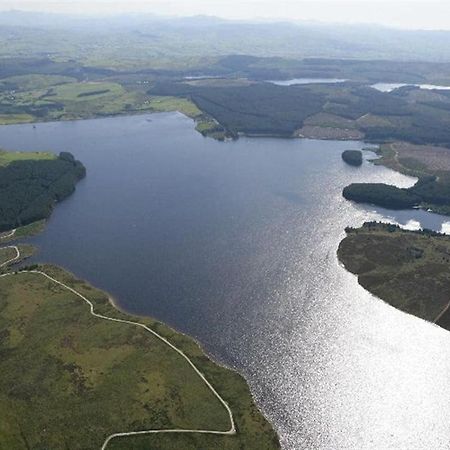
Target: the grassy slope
pixel 98 377
pixel 409 270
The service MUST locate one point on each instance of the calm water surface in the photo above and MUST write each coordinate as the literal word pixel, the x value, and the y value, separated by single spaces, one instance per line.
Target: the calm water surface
pixel 389 87
pixel 235 244
pixel 307 81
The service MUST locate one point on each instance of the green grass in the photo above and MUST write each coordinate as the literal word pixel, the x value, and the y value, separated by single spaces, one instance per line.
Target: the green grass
pixel 7 253
pixel 74 92
pixel 9 157
pixel 407 269
pixel 26 231
pixel 34 81
pixel 68 100
pixel 67 379
pixel 10 119
pixel 166 104
pixel 30 229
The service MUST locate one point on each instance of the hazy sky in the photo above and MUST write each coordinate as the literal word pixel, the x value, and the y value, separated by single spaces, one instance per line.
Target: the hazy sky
pixel 434 14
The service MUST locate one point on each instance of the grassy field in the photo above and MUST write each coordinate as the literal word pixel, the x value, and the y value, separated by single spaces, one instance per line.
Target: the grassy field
pixel 33 81
pixel 35 98
pixel 409 270
pixel 7 253
pixel 166 104
pixel 9 157
pixel 97 377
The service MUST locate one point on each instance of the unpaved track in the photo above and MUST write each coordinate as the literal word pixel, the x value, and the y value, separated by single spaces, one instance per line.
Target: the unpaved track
pixel 12 259
pixel 230 431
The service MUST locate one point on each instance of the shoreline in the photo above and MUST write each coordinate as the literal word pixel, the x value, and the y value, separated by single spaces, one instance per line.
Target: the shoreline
pixel 167 331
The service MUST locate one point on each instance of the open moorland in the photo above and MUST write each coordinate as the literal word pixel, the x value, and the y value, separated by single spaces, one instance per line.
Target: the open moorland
pixel 410 270
pixel 99 377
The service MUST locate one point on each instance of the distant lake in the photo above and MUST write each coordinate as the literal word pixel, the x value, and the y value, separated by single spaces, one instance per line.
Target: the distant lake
pixel 235 244
pixel 307 81
pixel 389 87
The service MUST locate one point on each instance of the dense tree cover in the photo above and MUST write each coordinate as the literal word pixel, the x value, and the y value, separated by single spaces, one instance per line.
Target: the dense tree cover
pixel 275 68
pixel 87 94
pixel 433 191
pixel 255 109
pixel 37 110
pixel 428 190
pixel 29 188
pixel 364 100
pixel 263 108
pixel 352 157
pixel 380 194
pixel 46 66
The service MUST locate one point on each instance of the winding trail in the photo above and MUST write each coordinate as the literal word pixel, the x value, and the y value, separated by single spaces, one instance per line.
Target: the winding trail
pixel 10 234
pixel 12 259
pixel 230 431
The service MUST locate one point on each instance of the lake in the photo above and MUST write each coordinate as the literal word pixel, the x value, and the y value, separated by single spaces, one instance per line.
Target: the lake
pixel 307 81
pixel 389 87
pixel 235 244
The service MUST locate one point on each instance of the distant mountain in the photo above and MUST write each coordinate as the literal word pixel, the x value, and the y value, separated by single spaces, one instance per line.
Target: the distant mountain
pixel 144 35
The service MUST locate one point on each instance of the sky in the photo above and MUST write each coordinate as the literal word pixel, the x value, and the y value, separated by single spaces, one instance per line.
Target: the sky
pixel 412 14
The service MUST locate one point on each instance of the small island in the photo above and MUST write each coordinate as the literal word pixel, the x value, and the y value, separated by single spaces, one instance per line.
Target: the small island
pixel 353 157
pixel 410 270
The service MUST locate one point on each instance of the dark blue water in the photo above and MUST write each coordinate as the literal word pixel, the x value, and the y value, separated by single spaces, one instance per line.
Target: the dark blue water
pixel 235 244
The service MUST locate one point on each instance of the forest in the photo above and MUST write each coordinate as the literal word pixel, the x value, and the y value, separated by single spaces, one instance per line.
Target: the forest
pixel 29 188
pixel 427 192
pixel 268 109
pixel 261 108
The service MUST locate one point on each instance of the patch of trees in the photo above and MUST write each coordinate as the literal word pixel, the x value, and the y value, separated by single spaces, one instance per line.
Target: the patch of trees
pixel 267 109
pixel 361 101
pixel 46 66
pixel 428 190
pixel 30 188
pixel 352 157
pixel 380 194
pixel 418 134
pixel 432 191
pixel 263 108
pixel 98 92
pixel 33 109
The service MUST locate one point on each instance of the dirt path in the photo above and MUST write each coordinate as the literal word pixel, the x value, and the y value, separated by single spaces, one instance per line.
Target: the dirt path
pixel 230 431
